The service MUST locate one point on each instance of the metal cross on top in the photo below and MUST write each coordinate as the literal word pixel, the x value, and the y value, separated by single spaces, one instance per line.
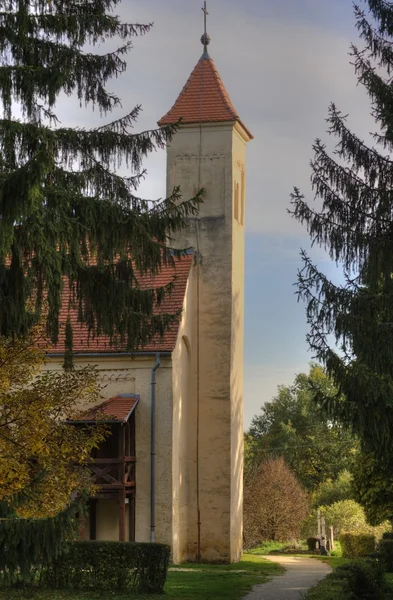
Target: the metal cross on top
pixel 205 39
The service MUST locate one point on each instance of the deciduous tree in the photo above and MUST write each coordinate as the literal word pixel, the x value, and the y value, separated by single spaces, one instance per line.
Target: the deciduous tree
pixel 292 426
pixel 41 457
pixel 334 490
pixel 275 504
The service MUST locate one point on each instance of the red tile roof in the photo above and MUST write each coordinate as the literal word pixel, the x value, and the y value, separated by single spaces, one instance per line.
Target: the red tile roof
pixel 118 409
pixel 203 99
pixel 82 343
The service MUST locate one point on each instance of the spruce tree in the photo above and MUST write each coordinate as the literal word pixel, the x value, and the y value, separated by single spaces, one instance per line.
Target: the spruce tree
pixel 67 215
pixel 354 223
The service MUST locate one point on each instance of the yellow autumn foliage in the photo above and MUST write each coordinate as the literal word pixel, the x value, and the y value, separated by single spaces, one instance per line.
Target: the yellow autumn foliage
pixel 41 455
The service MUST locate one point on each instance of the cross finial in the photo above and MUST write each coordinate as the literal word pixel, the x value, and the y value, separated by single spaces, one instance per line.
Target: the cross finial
pixel 205 39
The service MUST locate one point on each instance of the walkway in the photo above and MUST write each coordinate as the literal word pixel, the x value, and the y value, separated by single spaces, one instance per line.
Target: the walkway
pixel 301 574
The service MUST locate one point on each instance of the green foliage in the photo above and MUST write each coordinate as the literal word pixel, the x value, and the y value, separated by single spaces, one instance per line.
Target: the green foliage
pixel 267 547
pixel 354 545
pixel 110 566
pixel 385 547
pixel 354 224
pixel 373 487
pixel 337 552
pixel 187 582
pixel 333 490
pixel 42 459
pixel 292 426
pixel 357 580
pixel 29 545
pixel 67 215
pixel 346 515
pixel 271 547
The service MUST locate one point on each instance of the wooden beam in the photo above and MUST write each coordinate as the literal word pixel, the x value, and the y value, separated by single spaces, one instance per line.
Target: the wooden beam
pixel 116 486
pixel 93 518
pixel 132 497
pixel 122 492
pixel 122 515
pixel 131 518
pixel 111 461
pixel 132 435
pixel 127 428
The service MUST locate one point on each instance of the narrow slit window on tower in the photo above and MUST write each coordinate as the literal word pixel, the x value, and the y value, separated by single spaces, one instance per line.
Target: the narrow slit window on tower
pixel 243 197
pixel 236 207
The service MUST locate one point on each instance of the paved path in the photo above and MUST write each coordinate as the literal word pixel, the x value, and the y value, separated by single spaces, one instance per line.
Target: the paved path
pixel 301 574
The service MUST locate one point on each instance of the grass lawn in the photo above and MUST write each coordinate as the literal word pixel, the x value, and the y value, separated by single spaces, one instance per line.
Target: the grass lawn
pixel 333 561
pixel 187 582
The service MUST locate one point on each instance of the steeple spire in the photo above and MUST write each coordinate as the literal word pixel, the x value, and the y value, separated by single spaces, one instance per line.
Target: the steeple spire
pixel 204 98
pixel 205 39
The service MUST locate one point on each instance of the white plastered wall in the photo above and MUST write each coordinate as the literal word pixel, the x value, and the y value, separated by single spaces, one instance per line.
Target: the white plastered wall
pixel 120 375
pixel 221 281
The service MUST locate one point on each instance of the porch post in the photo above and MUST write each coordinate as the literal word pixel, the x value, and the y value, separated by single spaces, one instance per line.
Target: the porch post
pixel 122 491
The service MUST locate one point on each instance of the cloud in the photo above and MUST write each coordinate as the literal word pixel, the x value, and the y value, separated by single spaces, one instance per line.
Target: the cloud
pixel 281 70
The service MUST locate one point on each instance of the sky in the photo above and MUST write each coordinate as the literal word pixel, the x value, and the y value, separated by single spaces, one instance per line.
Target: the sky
pixel 282 63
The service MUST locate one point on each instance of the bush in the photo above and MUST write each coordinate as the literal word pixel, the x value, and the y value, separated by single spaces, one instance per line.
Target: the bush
pixel 275 504
pixel 337 549
pixel 116 566
pixel 358 580
pixel 355 545
pixel 387 535
pixel 346 515
pixel 312 543
pixel 386 553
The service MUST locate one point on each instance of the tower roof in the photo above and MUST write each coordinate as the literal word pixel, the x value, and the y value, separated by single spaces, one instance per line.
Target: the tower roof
pixel 203 99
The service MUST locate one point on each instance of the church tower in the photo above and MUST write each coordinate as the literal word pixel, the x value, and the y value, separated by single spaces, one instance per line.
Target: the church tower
pixel 209 151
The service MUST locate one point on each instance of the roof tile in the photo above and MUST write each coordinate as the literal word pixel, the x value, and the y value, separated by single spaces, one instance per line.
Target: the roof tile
pixel 203 99
pixel 118 408
pixel 83 343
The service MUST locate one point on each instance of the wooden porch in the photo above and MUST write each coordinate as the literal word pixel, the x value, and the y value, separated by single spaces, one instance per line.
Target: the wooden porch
pixel 113 464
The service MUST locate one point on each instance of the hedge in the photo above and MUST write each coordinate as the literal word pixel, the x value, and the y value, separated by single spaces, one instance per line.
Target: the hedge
pixel 386 553
pixel 312 543
pixel 359 580
pixel 357 545
pixel 105 566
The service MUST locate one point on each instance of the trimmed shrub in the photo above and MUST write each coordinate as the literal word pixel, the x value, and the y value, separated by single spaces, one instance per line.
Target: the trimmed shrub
pixel 116 566
pixel 312 543
pixel 386 553
pixel 357 545
pixel 329 589
pixel 358 580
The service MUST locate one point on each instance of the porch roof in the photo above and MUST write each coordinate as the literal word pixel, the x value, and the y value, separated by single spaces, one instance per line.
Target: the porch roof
pixel 115 410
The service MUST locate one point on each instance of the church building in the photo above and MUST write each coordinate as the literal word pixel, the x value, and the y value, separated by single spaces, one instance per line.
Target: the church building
pixel 172 471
